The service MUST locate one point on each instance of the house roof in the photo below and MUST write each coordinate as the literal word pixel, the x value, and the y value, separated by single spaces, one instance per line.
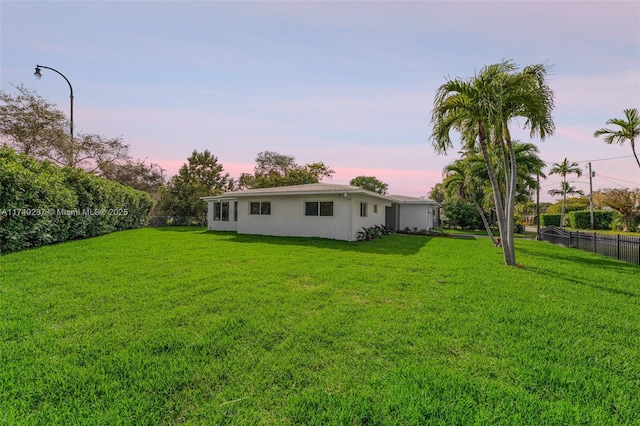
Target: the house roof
pixel 404 199
pixel 305 189
pixel 317 189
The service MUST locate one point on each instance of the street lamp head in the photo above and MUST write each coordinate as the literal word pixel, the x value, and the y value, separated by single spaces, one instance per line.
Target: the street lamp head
pixel 37 73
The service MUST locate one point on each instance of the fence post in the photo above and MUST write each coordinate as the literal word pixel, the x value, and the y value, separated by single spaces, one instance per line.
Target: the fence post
pixel 618 246
pixel 595 248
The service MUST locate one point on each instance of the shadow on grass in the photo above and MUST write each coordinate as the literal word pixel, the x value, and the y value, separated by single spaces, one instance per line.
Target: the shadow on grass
pixel 599 262
pixel 391 244
pixel 179 229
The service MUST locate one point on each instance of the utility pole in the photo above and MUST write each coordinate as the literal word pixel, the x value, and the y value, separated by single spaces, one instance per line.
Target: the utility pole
pixel 538 207
pixel 591 175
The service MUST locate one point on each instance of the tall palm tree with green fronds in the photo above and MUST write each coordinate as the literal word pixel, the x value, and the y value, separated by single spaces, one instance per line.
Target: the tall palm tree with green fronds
pixel 565 189
pixel 481 109
pixel 564 169
pixel 629 130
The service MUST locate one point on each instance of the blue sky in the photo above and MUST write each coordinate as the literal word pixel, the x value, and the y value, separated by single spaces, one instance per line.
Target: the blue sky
pixel 347 83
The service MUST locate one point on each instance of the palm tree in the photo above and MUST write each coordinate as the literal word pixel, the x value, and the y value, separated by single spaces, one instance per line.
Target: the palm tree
pixel 629 130
pixel 462 178
pixel 565 189
pixel 481 108
pixel 565 169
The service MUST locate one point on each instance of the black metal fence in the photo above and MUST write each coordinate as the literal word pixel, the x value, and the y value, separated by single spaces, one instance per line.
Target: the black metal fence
pixel 621 247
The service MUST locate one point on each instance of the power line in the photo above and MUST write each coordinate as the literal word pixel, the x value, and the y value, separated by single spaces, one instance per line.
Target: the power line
pixel 604 159
pixel 609 177
pixel 610 181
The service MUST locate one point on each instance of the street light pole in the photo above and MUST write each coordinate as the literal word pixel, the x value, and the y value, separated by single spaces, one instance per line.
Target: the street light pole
pixel 591 175
pixel 38 76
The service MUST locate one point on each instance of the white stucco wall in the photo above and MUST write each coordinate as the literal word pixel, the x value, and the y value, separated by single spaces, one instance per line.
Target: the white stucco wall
pixel 416 215
pixel 288 217
pixel 372 217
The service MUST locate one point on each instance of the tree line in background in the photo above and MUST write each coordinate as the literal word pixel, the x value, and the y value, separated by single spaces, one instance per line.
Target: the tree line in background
pixel 492 183
pixel 37 129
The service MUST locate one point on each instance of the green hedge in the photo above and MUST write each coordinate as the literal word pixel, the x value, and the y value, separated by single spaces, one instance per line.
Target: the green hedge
pixel 43 204
pixel 582 219
pixel 547 219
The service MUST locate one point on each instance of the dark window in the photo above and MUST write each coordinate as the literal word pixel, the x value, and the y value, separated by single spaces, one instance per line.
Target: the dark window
pixel 221 211
pixel 254 208
pixel 225 211
pixel 265 207
pixel 311 209
pixel 363 209
pixel 235 211
pixel 326 208
pixel 260 208
pixel 318 208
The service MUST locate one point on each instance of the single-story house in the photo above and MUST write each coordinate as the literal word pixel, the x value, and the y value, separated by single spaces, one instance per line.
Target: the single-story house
pixel 316 210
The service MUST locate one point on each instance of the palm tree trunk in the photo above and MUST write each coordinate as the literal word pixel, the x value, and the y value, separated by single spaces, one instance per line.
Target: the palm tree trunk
pixel 564 200
pixel 484 221
pixel 633 149
pixel 511 196
pixel 509 259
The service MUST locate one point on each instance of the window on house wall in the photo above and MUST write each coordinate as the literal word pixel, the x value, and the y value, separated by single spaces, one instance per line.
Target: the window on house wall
pixel 235 211
pixel 265 207
pixel 375 208
pixel 363 209
pixel 224 211
pixel 260 208
pixel 221 211
pixel 326 208
pixel 318 208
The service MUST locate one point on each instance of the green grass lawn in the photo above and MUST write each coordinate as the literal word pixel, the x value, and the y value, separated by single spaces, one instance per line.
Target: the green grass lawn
pixel 179 325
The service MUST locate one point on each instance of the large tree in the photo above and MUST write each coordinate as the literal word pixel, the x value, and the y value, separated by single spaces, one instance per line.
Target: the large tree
pixel 202 175
pixel 624 201
pixel 370 183
pixel 89 152
pixel 481 109
pixel 628 130
pixel 564 169
pixel 136 174
pixel 273 169
pixel 30 124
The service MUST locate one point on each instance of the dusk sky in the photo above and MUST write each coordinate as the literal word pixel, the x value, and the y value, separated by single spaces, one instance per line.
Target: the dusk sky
pixel 350 84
